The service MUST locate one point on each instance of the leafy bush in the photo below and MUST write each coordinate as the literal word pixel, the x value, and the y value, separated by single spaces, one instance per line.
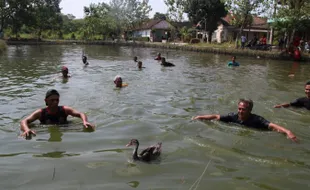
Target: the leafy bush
pixel 194 41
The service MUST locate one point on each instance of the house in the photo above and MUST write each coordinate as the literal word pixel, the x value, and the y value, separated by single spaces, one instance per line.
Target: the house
pixel 228 32
pixel 156 30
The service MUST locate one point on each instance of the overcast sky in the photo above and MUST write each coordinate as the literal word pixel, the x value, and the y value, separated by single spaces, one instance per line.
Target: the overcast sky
pixel 75 7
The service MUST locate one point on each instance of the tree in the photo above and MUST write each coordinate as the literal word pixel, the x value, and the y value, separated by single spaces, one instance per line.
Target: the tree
pixel 206 12
pixel 176 9
pixel 243 11
pixel 161 16
pixel 136 11
pixel 292 16
pixel 128 13
pixel 98 20
pixel 15 14
pixel 46 16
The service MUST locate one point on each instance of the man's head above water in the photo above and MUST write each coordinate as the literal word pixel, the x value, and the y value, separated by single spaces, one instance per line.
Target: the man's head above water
pixel 118 81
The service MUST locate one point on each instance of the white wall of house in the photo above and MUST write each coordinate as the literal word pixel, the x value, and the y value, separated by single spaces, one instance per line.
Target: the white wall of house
pixel 142 33
pixel 224 33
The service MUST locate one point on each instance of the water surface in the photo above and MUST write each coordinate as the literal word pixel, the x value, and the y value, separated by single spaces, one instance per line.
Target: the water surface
pixel 157 106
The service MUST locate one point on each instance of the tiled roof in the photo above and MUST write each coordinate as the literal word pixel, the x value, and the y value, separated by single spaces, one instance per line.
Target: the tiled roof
pixel 147 24
pixel 258 22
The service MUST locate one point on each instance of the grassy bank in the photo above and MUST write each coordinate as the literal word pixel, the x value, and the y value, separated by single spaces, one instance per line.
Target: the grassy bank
pixel 3 46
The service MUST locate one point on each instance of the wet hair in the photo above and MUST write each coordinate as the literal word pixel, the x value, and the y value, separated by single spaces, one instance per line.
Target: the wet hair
pixel 140 62
pixel 249 102
pixel 51 92
pixel 308 83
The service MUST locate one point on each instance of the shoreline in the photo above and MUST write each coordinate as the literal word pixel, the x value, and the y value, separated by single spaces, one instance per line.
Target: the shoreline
pixel 274 55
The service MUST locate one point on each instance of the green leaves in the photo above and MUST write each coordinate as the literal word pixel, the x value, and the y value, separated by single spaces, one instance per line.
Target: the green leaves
pixel 176 9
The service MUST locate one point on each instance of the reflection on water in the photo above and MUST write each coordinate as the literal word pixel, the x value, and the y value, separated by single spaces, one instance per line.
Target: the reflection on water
pixel 56 154
pixel 55 134
pixel 157 105
pixel 133 184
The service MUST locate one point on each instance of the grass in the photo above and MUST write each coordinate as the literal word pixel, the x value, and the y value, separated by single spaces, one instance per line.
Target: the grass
pixel 227 45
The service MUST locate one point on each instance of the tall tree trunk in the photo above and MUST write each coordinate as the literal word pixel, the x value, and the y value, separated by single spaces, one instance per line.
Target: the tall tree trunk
pixel 210 36
pixel 241 30
pixel 292 35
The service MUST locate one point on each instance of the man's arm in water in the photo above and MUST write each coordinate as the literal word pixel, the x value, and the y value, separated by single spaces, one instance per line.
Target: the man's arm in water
pixel 24 123
pixel 281 129
pixel 208 117
pixel 282 105
pixel 75 113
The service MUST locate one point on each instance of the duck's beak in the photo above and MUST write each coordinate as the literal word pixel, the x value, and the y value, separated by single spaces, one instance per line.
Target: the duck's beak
pixel 129 144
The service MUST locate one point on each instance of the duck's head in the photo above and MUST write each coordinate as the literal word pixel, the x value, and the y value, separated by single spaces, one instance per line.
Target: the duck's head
pixel 133 142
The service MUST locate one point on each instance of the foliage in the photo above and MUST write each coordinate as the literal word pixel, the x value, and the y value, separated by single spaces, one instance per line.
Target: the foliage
pixel 242 10
pixel 206 12
pixel 194 41
pixel 161 16
pixel 176 9
pixel 98 20
pixel 128 13
pixel 293 15
pixel 142 39
pixel 46 15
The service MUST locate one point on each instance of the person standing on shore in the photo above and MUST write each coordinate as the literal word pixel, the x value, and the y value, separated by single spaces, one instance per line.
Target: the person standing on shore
pixel 243 40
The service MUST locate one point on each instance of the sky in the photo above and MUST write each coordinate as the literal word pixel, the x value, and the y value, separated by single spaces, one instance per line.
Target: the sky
pixel 76 7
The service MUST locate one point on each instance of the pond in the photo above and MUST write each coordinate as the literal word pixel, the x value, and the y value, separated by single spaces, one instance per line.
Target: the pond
pixel 156 106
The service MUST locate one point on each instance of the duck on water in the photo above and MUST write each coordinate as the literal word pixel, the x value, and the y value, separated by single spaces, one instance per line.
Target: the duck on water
pixel 146 155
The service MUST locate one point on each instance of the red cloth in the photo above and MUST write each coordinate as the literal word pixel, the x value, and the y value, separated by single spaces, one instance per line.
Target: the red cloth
pixel 297 55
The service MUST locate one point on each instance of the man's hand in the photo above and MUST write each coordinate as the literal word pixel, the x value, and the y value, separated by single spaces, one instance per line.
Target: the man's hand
pixel 195 118
pixel 28 134
pixel 277 106
pixel 291 136
pixel 89 125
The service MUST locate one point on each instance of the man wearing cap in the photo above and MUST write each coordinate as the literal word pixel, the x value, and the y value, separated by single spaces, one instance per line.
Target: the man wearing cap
pixel 52 114
pixel 118 81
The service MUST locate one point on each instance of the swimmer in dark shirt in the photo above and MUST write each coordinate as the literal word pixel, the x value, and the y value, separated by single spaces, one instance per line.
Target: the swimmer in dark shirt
pixel 158 57
pixel 84 59
pixel 140 65
pixel 165 63
pixel 52 114
pixel 299 102
pixel 65 71
pixel 135 59
pixel 246 118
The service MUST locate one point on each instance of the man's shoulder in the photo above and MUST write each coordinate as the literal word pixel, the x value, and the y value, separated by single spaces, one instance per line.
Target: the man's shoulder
pixel 301 99
pixel 257 117
pixel 231 114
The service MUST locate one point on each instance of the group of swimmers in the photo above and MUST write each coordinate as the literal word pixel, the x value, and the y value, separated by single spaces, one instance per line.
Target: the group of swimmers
pixel 55 114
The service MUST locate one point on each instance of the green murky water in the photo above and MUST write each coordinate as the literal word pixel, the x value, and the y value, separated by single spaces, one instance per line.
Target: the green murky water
pixel 157 106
